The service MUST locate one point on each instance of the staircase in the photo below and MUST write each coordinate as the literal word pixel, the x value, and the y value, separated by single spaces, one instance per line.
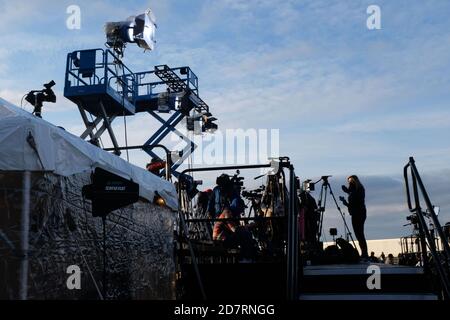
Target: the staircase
pixel 170 78
pixel 176 84
pixel 349 282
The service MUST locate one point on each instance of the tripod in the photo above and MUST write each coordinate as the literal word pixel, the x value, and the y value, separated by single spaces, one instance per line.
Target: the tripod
pixel 322 203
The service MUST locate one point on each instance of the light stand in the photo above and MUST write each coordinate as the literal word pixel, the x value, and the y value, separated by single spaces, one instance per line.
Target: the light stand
pixel 333 233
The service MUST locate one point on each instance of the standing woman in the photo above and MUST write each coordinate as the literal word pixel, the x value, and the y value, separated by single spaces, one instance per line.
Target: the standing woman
pixel 357 209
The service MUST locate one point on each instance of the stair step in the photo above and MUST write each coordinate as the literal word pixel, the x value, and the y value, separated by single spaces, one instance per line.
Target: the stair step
pixel 369 296
pixel 347 279
pixel 359 269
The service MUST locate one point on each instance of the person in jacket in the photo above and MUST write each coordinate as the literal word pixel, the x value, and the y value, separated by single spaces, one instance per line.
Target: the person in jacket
pixel 155 166
pixel 357 210
pixel 220 197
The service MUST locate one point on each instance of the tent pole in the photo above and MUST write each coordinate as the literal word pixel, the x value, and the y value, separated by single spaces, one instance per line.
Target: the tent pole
pixel 24 235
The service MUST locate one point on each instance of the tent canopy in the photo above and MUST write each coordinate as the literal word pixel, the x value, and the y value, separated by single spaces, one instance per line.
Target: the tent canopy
pixel 65 154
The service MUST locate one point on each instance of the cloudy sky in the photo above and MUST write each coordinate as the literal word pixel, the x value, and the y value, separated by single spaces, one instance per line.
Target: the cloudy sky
pixel 347 100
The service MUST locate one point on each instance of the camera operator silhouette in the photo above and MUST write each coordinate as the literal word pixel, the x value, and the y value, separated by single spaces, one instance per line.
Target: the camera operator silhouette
pixel 357 209
pixel 227 205
pixel 221 196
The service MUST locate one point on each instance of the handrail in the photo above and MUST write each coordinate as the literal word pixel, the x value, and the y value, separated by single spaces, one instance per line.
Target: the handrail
pixel 430 208
pixel 292 243
pixel 190 79
pixel 236 219
pixel 224 168
pixel 442 267
pixel 408 195
pixel 168 173
pixel 126 77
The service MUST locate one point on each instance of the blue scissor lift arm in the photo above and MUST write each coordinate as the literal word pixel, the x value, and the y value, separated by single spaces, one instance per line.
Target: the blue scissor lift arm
pixel 102 86
pixel 181 82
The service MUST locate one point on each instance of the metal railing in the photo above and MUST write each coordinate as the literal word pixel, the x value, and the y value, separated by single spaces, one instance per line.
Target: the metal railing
pixel 292 237
pixel 107 70
pixel 440 260
pixel 148 81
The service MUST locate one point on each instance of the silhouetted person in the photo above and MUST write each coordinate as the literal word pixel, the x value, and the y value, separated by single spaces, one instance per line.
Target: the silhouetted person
pixel 309 217
pixel 390 259
pixel 234 235
pixel 357 210
pixel 372 258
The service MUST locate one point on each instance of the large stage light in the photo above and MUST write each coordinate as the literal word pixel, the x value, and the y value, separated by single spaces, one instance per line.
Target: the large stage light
pixel 138 29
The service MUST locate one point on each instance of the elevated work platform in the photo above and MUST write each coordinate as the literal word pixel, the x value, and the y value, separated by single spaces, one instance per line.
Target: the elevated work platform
pixel 97 77
pixel 167 89
pixel 102 86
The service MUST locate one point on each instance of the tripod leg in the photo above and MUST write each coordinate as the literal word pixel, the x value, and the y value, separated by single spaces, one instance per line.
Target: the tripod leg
pixel 343 217
pixel 322 206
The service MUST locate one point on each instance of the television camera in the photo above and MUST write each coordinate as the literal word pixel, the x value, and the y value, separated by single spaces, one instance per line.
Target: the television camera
pixel 414 219
pixel 254 194
pixel 37 97
pixel 190 185
pixel 237 181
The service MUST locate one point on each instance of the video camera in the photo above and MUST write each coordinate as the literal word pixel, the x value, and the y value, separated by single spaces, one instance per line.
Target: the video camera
pixel 412 219
pixel 190 185
pixel 37 97
pixel 226 182
pixel 49 85
pixel 253 194
pixel 236 180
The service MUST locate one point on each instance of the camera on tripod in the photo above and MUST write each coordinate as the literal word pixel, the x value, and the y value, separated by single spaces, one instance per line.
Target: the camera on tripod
pixel 190 185
pixel 308 185
pixel 325 188
pixel 412 219
pixel 253 194
pixel 37 97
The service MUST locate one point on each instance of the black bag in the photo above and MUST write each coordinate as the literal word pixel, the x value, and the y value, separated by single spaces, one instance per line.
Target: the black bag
pixel 349 253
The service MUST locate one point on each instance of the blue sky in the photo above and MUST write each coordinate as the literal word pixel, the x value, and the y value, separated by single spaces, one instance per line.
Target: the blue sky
pixel 346 99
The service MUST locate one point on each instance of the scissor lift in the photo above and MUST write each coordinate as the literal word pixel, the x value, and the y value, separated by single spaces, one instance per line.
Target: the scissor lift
pixel 102 86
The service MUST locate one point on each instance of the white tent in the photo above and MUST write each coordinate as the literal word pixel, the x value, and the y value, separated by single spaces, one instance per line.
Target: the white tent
pixel 65 154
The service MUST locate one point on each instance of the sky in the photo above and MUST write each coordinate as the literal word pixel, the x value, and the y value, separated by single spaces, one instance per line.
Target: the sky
pixel 346 99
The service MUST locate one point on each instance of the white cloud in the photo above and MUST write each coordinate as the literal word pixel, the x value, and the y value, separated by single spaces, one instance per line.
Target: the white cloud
pixel 19 12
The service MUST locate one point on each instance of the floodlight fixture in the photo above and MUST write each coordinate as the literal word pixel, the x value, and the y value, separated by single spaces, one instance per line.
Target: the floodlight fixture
pixel 208 123
pixel 138 29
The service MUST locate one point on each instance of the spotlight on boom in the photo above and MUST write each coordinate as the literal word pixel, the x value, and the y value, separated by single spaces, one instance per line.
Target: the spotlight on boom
pixel 136 29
